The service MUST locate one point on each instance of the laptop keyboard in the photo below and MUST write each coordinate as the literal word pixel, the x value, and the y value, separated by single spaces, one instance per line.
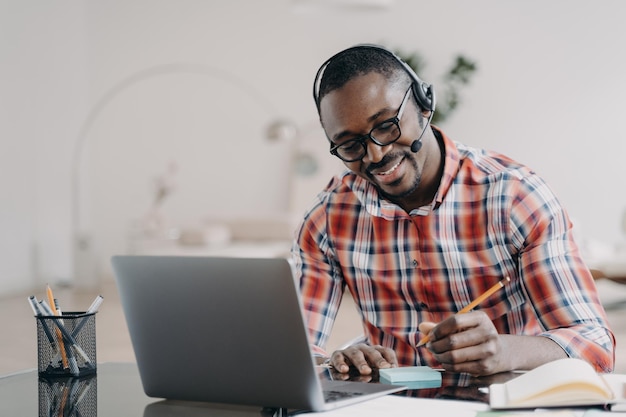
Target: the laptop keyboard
pixel 334 395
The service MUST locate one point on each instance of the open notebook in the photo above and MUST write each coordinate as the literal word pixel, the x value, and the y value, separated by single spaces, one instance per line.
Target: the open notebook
pixel 565 382
pixel 226 330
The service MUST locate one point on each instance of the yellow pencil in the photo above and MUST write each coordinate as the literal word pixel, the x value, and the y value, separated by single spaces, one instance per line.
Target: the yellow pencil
pixel 59 335
pixel 473 304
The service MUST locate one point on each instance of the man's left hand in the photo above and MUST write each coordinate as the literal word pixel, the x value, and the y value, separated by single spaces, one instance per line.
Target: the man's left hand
pixel 466 343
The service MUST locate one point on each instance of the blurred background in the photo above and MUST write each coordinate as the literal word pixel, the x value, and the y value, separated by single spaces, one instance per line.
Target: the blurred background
pixel 185 126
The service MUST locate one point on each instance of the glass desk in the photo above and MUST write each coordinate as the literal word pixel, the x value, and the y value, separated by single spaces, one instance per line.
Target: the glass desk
pixel 116 391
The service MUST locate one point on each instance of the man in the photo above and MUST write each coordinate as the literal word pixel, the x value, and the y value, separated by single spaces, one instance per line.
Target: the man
pixel 420 225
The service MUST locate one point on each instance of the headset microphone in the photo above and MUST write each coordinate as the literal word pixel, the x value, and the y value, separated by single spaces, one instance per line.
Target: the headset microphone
pixel 417 143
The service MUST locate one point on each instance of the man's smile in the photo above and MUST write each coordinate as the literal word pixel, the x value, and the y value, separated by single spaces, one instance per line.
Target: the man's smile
pixel 390 174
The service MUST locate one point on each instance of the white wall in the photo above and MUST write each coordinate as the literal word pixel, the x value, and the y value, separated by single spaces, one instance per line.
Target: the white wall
pixel 43 79
pixel 548 93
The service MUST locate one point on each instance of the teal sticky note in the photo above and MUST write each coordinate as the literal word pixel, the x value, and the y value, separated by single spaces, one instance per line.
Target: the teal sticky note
pixel 412 377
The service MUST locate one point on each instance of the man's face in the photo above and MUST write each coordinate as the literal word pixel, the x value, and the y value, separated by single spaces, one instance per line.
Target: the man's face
pixel 357 107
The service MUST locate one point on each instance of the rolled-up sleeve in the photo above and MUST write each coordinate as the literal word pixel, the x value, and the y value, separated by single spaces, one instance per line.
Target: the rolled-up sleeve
pixel 559 285
pixel 321 283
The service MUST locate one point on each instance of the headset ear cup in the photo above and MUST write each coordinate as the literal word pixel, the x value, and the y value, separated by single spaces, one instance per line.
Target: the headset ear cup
pixel 424 94
pixel 432 98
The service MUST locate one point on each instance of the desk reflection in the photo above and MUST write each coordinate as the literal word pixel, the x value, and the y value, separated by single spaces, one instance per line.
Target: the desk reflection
pixel 117 391
pixel 68 396
pixel 453 386
pixel 171 408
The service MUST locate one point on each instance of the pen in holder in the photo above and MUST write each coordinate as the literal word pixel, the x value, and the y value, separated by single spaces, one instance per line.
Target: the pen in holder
pixel 66 344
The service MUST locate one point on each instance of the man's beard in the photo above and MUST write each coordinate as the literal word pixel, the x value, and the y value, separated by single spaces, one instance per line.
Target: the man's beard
pixel 393 197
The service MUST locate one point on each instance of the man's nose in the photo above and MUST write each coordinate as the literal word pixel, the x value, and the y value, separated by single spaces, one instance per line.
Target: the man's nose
pixel 375 152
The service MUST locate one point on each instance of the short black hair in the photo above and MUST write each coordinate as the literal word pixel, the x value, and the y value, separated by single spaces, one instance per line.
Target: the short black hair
pixel 353 62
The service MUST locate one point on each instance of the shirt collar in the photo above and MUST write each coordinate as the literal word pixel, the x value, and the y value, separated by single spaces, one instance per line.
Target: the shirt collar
pixel 452 161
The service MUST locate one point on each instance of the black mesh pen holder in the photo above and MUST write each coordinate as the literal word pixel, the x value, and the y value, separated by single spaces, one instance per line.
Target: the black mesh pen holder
pixel 66 344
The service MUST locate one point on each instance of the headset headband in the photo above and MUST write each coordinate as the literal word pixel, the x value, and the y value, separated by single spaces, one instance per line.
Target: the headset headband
pixel 423 92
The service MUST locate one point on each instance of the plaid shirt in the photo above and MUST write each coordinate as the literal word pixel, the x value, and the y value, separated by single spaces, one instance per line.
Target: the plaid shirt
pixel 491 218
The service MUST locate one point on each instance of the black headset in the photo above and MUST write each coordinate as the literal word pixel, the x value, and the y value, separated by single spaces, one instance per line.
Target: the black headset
pixel 423 92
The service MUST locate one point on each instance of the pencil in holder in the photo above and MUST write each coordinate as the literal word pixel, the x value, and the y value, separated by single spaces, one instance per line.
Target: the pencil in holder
pixel 66 344
pixel 68 396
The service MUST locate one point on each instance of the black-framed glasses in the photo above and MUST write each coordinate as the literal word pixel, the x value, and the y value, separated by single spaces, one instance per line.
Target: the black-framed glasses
pixel 382 134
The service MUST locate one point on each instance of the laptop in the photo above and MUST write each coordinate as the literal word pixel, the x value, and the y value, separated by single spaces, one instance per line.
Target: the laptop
pixel 226 330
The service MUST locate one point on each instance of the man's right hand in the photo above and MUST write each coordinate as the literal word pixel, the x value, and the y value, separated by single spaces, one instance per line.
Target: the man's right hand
pixel 364 358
